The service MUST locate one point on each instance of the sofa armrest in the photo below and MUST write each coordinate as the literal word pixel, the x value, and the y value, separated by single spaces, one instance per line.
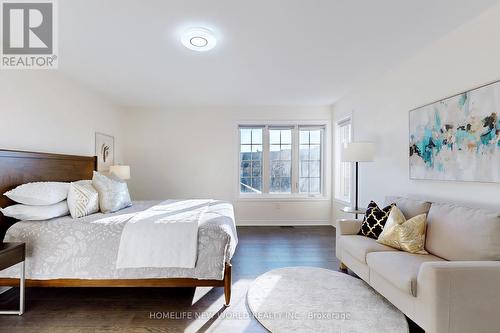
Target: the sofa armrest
pixel 348 227
pixel 459 296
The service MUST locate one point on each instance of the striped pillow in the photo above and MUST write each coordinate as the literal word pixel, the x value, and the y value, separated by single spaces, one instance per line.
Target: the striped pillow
pixel 83 199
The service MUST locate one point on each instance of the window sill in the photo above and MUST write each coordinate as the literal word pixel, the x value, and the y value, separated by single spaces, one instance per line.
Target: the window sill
pixel 343 202
pixel 270 197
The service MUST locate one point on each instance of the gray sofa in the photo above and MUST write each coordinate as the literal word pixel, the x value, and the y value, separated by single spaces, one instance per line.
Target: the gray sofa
pixel 456 288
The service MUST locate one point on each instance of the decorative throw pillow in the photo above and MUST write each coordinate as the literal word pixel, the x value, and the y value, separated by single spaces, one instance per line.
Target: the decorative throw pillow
pixel 39 193
pixel 374 220
pixel 113 192
pixel 402 234
pixel 36 213
pixel 83 199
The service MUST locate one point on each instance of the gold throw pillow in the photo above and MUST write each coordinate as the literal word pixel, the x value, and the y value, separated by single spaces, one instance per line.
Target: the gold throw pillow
pixel 402 234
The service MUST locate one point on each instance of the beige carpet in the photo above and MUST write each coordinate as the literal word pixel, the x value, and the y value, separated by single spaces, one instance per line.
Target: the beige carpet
pixel 308 299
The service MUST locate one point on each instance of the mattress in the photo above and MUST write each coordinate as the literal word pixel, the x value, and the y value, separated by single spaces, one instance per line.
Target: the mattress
pixel 87 248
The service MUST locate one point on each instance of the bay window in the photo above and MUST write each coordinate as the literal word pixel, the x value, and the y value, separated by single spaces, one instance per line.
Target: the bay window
pixel 281 160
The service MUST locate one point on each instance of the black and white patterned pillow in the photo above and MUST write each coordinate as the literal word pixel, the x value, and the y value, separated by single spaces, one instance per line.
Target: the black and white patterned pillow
pixel 375 219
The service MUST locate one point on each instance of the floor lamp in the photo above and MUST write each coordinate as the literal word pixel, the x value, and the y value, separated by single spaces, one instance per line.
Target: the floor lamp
pixel 358 152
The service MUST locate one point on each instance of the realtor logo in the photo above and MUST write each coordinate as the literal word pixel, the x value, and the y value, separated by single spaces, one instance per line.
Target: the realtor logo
pixel 28 34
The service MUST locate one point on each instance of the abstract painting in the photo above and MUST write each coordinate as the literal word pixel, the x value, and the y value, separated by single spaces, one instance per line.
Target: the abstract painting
pixel 105 151
pixel 457 138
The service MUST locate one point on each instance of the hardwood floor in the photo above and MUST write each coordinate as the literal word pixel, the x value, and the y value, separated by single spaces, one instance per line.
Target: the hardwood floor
pixel 260 249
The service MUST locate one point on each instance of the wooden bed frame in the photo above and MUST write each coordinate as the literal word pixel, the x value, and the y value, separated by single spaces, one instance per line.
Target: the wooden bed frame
pixel 19 167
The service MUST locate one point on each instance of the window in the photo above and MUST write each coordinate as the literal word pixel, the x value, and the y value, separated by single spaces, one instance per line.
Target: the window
pixel 251 160
pixel 310 161
pixel 281 160
pixel 343 170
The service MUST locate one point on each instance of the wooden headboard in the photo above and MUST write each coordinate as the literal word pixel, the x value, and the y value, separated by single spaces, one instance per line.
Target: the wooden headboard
pixel 19 167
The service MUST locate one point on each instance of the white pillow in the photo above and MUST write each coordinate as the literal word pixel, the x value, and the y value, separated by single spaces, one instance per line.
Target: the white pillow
pixel 39 193
pixel 113 192
pixel 36 213
pixel 83 199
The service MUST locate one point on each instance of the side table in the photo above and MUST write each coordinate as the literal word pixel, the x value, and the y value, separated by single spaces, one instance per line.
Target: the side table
pixel 10 255
pixel 352 210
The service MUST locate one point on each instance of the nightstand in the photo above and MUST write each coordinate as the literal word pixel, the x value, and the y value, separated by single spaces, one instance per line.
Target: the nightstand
pixel 11 254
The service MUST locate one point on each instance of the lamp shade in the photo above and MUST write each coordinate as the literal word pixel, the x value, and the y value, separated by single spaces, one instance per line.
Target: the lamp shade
pixel 358 152
pixel 121 171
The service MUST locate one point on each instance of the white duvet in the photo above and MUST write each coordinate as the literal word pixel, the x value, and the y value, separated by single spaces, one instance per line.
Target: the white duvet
pixel 165 235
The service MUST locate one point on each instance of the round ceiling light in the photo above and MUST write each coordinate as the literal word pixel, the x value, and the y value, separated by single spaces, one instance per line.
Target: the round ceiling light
pixel 198 39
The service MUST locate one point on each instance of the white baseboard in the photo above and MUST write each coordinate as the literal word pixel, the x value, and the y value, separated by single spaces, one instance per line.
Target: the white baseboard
pixel 282 222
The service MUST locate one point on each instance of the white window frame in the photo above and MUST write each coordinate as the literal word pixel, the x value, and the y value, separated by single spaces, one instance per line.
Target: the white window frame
pixel 293 160
pixel 295 195
pixel 263 150
pixel 338 163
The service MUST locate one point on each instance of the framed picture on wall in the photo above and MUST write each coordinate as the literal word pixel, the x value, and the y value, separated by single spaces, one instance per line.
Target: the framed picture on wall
pixel 457 138
pixel 105 151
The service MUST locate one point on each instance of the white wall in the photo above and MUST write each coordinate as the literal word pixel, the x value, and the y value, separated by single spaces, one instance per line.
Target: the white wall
pixel 45 111
pixel 186 153
pixel 464 59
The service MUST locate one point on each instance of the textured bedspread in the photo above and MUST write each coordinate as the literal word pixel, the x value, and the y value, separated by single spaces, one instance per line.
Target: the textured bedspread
pixel 87 248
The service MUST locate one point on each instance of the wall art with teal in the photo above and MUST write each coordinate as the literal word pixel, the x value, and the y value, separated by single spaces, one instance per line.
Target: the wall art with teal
pixel 457 138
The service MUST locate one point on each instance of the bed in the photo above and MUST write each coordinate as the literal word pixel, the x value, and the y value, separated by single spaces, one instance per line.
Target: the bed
pixel 66 252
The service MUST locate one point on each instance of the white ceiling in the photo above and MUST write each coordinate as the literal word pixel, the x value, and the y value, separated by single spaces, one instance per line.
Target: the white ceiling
pixel 269 52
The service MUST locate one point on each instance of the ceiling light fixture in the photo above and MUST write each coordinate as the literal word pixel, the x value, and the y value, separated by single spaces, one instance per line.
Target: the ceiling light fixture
pixel 198 39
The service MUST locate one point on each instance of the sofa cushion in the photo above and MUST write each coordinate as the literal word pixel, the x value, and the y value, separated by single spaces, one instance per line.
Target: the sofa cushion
pixel 460 233
pixel 409 207
pixel 359 246
pixel 402 234
pixel 399 268
pixel 374 221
